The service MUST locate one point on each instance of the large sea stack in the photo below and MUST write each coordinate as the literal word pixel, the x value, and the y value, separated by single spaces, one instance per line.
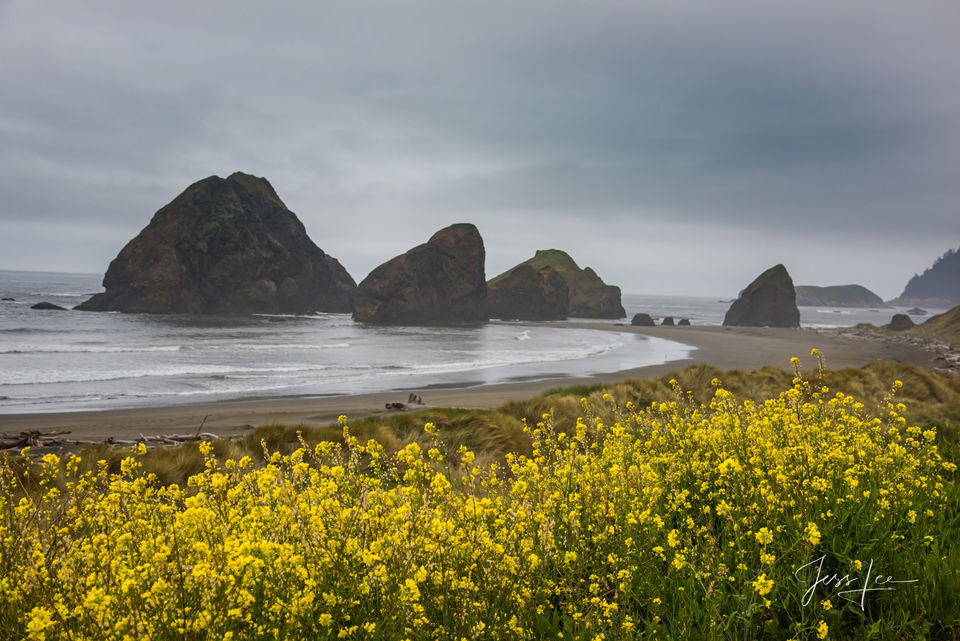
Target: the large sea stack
pixel 525 293
pixel 589 296
pixel 224 246
pixel 440 281
pixel 769 301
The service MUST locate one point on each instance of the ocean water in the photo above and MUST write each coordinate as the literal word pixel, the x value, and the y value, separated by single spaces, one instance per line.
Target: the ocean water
pixel 59 361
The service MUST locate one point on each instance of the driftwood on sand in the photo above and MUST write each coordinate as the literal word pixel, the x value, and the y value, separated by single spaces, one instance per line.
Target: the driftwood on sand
pixel 53 440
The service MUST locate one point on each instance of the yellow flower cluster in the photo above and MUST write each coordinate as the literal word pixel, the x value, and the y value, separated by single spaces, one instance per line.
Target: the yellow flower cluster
pixel 606 531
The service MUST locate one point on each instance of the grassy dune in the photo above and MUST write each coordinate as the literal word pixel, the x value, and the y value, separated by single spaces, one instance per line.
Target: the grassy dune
pixel 930 397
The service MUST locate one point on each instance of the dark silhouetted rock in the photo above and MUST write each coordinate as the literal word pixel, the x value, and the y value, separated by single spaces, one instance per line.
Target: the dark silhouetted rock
pixel 224 246
pixel 837 296
pixel 769 301
pixel 589 296
pixel 642 320
pixel 440 281
pixel 8 299
pixel 916 311
pixel 938 286
pixel 667 321
pixel 900 323
pixel 684 322
pixel 48 306
pixel 529 294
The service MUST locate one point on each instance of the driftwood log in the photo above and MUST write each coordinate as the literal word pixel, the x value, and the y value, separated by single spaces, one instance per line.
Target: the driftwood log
pixel 46 440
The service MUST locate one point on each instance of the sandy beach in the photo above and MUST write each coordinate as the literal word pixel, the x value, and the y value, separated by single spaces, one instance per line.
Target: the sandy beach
pixel 725 348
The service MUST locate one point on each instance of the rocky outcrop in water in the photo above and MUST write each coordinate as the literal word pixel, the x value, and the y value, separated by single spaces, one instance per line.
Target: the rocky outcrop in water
pixel 769 301
pixel 526 293
pixel 642 320
pixel 683 322
pixel 589 296
pixel 224 246
pixel 44 305
pixel 440 281
pixel 667 321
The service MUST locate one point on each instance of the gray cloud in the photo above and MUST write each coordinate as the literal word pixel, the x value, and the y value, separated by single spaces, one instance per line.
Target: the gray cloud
pixel 711 138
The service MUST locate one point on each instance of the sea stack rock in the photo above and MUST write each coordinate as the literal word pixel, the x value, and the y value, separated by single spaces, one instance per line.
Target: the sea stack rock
pixel 440 281
pixel 667 321
pixel 900 323
pixel 769 301
pixel 44 305
pixel 526 293
pixel 589 296
pixel 683 322
pixel 642 320
pixel 224 246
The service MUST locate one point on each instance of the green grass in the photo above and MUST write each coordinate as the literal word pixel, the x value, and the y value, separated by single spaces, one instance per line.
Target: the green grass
pixel 931 398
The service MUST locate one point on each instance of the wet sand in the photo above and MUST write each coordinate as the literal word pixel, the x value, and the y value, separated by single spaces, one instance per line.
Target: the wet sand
pixel 725 348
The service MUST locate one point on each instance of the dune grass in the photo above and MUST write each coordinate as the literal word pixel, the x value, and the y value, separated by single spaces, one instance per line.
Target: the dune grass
pixel 931 398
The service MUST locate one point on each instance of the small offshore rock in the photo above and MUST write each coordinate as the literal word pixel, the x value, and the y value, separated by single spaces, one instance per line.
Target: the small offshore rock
pixel 685 322
pixel 667 321
pixel 642 320
pixel 48 306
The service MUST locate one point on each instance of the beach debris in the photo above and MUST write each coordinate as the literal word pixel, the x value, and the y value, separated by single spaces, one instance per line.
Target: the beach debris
pixel 413 402
pixel 33 439
pixel 45 441
pixel 946 357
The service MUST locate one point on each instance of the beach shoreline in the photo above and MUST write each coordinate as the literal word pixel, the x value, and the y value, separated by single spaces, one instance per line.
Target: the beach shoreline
pixel 722 347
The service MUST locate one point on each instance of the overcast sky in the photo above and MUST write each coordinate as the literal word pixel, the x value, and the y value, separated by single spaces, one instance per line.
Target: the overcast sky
pixel 677 147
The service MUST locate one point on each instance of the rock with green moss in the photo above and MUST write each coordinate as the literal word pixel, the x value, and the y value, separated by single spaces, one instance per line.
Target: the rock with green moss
pixel 589 296
pixel 529 294
pixel 224 246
